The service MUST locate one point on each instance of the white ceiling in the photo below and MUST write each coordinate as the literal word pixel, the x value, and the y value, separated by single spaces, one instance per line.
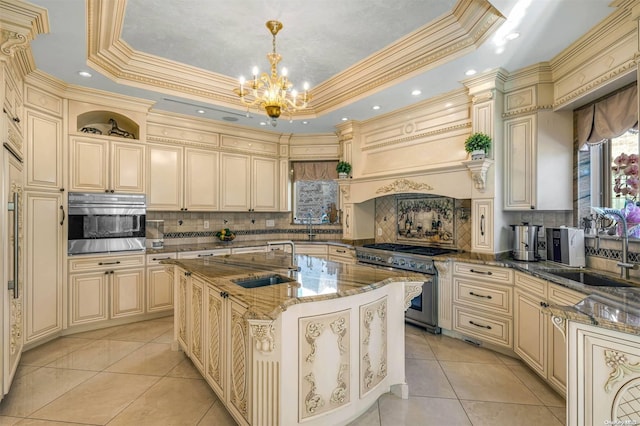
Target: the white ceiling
pixel 320 39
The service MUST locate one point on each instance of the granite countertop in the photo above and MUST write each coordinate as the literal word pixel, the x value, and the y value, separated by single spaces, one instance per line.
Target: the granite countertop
pixel 179 248
pixel 616 308
pixel 316 280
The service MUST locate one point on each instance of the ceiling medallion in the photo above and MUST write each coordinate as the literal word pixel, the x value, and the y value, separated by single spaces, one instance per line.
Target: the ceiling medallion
pixel 272 92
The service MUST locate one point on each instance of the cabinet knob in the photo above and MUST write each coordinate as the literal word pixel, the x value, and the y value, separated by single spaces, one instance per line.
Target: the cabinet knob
pixel 544 304
pixel 533 207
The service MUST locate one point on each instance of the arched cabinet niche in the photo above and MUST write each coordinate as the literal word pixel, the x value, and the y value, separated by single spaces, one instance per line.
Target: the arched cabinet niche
pixel 106 153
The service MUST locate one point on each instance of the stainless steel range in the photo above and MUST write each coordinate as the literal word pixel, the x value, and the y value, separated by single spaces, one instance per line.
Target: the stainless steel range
pixel 424 308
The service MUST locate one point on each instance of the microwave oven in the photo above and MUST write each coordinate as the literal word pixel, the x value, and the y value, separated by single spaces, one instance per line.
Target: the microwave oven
pixel 106 223
pixel 566 245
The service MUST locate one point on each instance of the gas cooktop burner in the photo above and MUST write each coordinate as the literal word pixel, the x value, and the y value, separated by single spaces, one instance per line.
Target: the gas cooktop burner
pixel 406 248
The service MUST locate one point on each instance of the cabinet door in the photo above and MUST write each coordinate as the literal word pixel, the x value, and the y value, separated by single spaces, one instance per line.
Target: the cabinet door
pixel 127 167
pixel 265 195
pixel 520 163
pixel 197 302
pixel 89 163
pixel 44 269
pixel 215 329
pixel 238 361
pixel 557 346
pixel 482 225
pixel 347 222
pixel 530 340
pixel 235 184
pixel 44 151
pixel 88 297
pixel 159 289
pixel 201 180
pixel 164 177
pixel 127 292
pixel 182 318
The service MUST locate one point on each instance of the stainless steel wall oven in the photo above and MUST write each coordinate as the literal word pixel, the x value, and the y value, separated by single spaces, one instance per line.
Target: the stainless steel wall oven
pixel 106 223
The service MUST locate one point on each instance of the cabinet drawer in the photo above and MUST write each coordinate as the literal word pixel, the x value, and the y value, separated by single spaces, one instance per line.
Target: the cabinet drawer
pixel 495 298
pixel 489 328
pixel 312 249
pixel 105 262
pixel 253 249
pixel 532 285
pixel 563 296
pixel 154 259
pixel 494 274
pixel 203 253
pixel 339 251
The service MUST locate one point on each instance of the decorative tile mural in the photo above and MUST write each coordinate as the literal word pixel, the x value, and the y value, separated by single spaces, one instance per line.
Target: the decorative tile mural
pixel 426 220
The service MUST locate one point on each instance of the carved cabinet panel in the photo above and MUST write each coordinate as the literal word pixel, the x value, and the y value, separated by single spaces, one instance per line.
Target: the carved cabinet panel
pixel 324 363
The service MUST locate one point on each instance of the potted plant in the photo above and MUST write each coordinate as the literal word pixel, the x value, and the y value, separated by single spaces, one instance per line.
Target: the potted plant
pixel 343 168
pixel 477 144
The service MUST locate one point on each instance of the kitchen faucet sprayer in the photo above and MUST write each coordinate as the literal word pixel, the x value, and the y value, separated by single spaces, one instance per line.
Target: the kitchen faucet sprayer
pixel 624 263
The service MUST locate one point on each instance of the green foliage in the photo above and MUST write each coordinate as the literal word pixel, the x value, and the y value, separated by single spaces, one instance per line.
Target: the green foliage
pixel 343 167
pixel 478 142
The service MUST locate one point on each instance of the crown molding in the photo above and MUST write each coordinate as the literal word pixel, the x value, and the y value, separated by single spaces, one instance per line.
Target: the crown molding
pixel 453 35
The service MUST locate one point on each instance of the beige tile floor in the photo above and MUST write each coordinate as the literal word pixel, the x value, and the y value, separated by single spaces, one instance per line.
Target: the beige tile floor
pixel 128 375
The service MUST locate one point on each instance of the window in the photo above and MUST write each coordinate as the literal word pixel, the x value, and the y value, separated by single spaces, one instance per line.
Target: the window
pixel 315 192
pixel 605 129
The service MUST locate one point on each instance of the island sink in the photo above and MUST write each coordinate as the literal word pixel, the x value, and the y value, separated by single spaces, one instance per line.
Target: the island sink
pixel 589 278
pixel 262 281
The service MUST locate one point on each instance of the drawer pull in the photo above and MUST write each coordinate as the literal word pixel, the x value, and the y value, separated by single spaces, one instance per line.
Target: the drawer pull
pixel 205 255
pixel 160 258
pixel 341 251
pixel 187 274
pixel 481 272
pixel 480 295
pixel 488 327
pixel 109 263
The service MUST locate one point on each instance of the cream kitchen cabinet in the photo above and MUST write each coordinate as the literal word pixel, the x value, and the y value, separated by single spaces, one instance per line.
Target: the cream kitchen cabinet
pixel 182 178
pixel 540 345
pixel 98 164
pixel 212 330
pixel 315 250
pixel 159 283
pixel 253 249
pixel 482 234
pixel 538 157
pixel 44 165
pixel 12 107
pixel 44 265
pixel 483 303
pixel 341 254
pixel 199 254
pixel 105 287
pixel 249 183
pixel 604 376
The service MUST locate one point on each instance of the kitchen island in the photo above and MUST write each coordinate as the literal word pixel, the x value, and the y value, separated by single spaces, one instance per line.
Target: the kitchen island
pixel 318 346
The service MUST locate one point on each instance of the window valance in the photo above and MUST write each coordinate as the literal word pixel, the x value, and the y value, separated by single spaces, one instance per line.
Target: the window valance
pixel 315 170
pixel 608 118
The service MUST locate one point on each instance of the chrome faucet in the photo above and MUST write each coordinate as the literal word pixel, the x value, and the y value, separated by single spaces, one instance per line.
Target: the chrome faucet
pixel 624 264
pixel 310 233
pixel 293 268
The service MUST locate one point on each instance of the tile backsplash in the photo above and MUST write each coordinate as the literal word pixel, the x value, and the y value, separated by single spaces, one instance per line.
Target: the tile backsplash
pixel 189 227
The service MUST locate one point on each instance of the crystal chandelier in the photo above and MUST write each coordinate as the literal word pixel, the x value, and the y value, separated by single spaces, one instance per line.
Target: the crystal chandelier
pixel 273 92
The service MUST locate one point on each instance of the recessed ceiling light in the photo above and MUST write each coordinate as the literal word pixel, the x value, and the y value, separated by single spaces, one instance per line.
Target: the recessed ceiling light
pixel 512 36
pixel 499 50
pixel 416 92
pixel 305 122
pixel 200 111
pixel 263 123
pixel 470 72
pixel 84 74
pixel 345 118
pixel 376 107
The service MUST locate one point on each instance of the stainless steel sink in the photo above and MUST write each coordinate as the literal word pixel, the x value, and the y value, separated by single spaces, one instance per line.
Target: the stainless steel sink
pixel 589 278
pixel 262 281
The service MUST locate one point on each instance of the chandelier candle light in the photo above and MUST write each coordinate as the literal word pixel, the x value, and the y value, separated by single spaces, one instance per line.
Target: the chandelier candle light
pixel 273 92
